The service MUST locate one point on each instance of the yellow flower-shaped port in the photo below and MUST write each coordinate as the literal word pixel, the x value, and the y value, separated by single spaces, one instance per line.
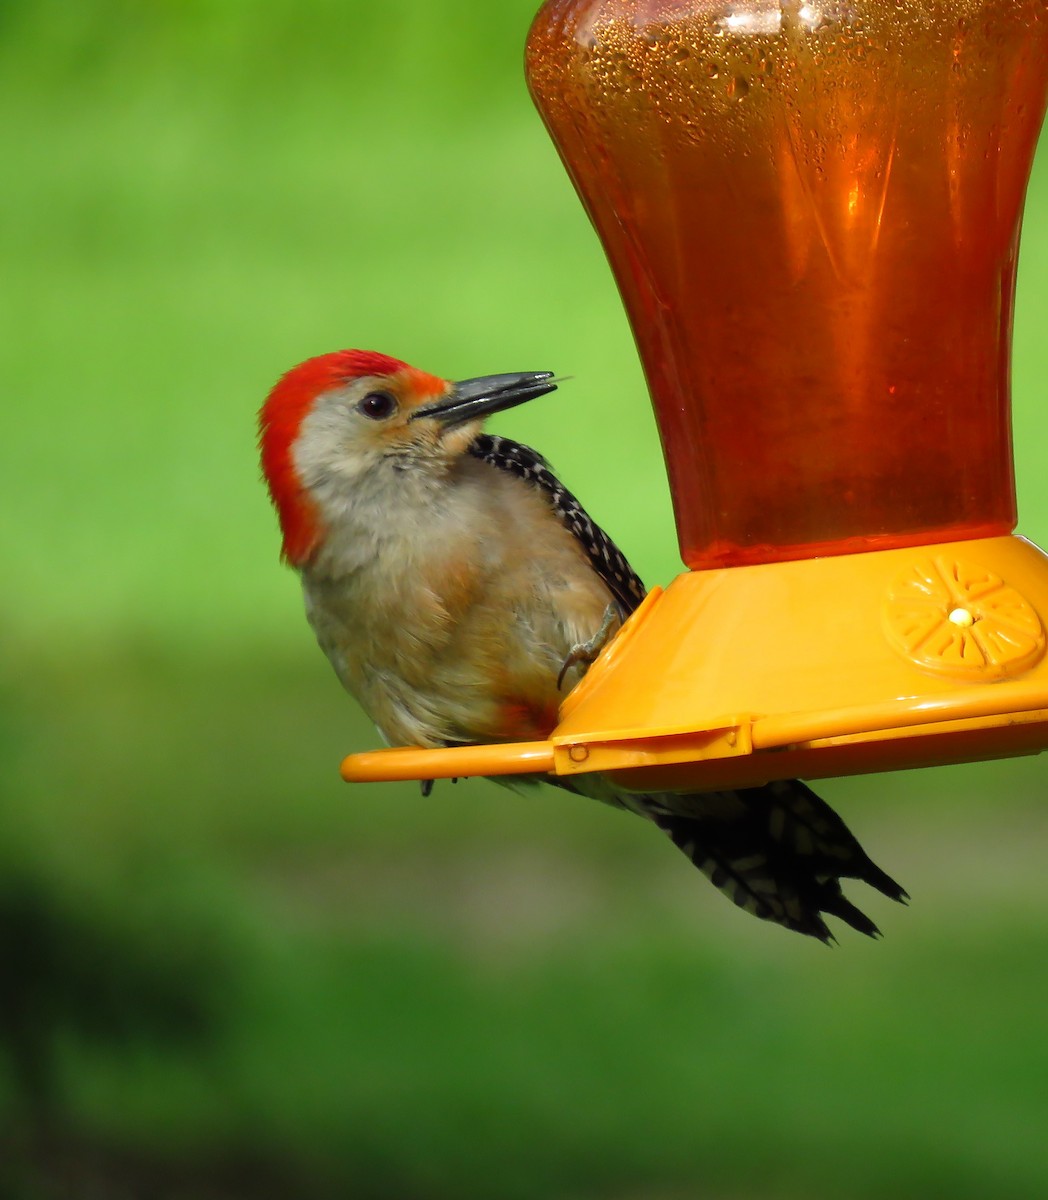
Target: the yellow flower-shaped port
pixel 957 618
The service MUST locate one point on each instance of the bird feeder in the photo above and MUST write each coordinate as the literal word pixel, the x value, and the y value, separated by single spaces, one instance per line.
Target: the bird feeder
pixel 812 211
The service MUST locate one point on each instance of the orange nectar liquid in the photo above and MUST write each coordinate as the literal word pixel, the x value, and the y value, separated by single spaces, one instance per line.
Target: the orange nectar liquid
pixel 812 212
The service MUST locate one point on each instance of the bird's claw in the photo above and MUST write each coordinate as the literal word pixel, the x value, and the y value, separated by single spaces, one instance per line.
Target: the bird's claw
pixel 586 652
pixel 426 786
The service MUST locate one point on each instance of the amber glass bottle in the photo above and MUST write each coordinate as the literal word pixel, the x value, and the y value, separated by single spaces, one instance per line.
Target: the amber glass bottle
pixel 812 210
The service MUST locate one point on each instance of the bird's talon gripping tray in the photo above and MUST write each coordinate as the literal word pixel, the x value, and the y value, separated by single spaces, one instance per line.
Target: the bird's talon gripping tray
pixel 812 211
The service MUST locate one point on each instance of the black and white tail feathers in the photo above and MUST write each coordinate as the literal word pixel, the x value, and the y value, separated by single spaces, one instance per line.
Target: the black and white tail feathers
pixel 778 851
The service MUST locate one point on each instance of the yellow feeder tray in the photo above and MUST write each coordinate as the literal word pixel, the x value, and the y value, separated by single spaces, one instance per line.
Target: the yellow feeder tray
pixel 735 677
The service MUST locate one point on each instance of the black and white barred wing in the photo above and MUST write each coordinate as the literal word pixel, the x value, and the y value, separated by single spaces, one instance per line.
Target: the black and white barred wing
pixel 608 560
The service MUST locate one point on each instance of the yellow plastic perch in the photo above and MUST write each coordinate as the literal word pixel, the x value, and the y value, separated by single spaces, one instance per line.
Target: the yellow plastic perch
pixel 828 666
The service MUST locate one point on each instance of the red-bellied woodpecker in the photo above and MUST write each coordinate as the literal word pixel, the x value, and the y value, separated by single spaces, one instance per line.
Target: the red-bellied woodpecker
pixel 460 590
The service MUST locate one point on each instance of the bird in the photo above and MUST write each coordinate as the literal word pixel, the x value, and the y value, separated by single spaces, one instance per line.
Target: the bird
pixel 460 591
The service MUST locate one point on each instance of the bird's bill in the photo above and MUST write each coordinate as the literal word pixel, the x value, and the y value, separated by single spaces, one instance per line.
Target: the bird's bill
pixel 472 399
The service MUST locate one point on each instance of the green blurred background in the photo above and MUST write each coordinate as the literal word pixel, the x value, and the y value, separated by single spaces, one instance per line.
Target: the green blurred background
pixel 222 972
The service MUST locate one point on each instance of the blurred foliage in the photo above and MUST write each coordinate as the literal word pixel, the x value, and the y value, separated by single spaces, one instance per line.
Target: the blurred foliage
pixel 222 973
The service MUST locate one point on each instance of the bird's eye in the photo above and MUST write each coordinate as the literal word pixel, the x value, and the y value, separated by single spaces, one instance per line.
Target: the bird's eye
pixel 377 406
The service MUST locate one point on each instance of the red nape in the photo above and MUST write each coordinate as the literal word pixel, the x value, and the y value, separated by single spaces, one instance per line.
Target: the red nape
pixel 279 422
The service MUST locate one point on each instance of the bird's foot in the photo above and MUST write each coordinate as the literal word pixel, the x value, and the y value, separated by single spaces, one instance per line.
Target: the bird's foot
pixel 426 786
pixel 586 652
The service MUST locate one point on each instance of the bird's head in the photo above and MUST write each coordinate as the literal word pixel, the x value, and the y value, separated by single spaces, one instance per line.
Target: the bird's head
pixel 352 420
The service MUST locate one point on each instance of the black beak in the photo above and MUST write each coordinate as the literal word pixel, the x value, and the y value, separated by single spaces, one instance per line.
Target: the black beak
pixel 472 399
